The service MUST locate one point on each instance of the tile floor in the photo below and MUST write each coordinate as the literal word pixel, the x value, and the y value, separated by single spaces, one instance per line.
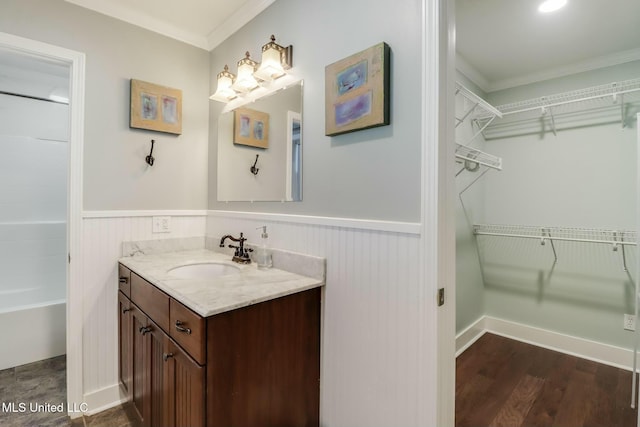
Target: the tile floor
pixel 44 382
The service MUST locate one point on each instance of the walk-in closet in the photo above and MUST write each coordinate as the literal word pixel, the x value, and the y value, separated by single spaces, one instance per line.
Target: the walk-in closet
pixel 547 211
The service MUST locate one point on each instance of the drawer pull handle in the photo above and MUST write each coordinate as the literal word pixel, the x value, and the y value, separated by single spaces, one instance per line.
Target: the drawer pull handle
pixel 124 280
pixel 181 328
pixel 124 310
pixel 145 329
pixel 166 356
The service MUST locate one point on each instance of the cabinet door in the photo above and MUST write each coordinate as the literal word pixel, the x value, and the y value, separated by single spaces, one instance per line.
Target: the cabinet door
pixel 140 375
pixel 158 377
pixel 125 360
pixel 186 388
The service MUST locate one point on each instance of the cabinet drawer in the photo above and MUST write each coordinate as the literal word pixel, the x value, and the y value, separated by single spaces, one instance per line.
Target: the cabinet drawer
pixel 124 280
pixel 151 300
pixel 188 329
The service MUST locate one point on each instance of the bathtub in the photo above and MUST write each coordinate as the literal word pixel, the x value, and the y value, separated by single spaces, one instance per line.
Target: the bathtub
pixel 32 292
pixel 32 332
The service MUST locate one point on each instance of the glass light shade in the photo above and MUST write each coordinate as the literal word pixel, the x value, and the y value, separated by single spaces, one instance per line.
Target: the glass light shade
pixel 271 67
pixel 245 82
pixel 224 91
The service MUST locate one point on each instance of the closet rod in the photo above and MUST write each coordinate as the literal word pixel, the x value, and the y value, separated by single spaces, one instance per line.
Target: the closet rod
pixel 37 98
pixel 567 239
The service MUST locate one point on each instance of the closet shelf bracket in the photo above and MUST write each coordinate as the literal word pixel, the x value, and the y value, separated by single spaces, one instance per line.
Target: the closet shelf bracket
pixel 622 111
pixel 472 158
pixel 618 239
pixel 478 106
pixel 546 234
pixel 546 110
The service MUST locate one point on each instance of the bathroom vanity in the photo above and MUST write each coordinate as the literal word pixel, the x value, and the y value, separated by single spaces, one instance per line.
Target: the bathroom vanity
pixel 217 344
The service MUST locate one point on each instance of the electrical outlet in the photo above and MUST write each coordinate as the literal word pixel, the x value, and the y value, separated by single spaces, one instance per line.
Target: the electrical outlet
pixel 629 322
pixel 161 224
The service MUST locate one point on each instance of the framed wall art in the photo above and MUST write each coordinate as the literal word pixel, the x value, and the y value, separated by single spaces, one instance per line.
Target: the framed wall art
pixel 357 91
pixel 155 107
pixel 251 127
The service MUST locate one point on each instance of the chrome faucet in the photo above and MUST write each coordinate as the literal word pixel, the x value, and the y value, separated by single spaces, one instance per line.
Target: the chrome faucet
pixel 241 255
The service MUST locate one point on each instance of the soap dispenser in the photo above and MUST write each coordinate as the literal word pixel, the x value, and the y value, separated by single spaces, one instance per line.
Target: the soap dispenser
pixel 263 253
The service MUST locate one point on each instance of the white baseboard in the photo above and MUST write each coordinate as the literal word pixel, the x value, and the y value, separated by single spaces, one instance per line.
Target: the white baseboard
pixel 591 350
pixel 103 399
pixel 471 334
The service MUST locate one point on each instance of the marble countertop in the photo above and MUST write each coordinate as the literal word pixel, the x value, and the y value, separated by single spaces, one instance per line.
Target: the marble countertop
pixel 208 297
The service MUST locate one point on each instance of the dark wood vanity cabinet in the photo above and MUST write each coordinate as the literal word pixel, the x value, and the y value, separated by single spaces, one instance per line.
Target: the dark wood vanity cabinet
pixel 125 344
pixel 257 365
pixel 164 384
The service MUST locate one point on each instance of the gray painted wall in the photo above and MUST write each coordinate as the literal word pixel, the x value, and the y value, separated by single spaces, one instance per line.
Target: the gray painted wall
pixel 374 173
pixel 469 210
pixel 115 174
pixel 583 177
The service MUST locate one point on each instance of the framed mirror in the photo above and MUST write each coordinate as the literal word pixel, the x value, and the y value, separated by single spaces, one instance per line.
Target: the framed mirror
pixel 260 149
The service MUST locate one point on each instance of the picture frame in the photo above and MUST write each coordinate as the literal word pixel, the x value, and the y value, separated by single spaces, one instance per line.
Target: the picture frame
pixel 357 91
pixel 251 127
pixel 156 108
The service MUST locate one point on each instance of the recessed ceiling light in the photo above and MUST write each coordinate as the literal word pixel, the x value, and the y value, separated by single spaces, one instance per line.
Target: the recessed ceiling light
pixel 551 5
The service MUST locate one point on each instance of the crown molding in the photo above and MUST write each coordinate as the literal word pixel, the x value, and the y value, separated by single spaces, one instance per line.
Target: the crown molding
pixel 143 20
pixel 240 17
pixel 472 73
pixel 578 67
pixel 604 61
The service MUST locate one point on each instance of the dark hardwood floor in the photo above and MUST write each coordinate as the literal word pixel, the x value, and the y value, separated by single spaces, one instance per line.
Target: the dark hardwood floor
pixel 502 382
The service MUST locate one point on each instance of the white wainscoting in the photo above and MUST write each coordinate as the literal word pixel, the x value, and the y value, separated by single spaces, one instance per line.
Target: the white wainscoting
pixel 371 319
pixel 103 234
pixel 370 311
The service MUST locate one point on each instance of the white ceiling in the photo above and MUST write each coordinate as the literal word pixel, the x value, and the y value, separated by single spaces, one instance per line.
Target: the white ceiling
pixel 507 43
pixel 500 43
pixel 202 23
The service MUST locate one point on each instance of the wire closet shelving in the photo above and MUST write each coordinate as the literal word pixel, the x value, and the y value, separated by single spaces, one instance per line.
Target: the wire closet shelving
pixel 609 97
pixel 587 235
pixel 472 158
pixel 616 238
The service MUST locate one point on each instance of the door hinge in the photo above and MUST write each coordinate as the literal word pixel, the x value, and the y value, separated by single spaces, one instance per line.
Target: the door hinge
pixel 69 257
pixel 440 297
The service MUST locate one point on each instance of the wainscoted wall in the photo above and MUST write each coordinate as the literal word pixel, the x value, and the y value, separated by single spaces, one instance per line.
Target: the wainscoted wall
pixel 369 355
pixel 103 234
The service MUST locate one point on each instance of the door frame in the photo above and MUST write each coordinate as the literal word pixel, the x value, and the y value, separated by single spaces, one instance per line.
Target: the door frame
pixel 437 239
pixel 74 311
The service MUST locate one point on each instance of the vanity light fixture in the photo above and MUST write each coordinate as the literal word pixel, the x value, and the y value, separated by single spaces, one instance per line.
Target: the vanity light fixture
pixel 245 82
pixel 224 91
pixel 551 5
pixel 275 61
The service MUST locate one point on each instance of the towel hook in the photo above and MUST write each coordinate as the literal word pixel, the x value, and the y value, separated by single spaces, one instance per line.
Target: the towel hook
pixel 254 170
pixel 149 159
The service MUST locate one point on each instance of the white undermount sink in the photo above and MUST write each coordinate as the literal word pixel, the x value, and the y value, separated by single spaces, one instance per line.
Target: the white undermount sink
pixel 208 270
